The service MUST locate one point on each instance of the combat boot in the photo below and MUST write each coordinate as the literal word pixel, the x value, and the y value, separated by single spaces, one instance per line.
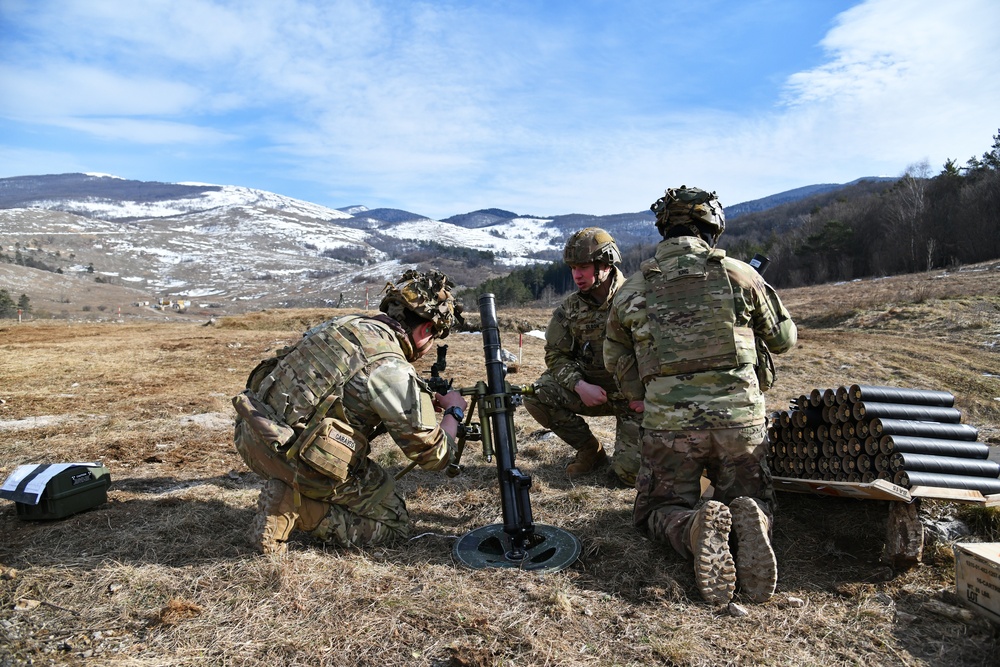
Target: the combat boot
pixel 714 571
pixel 588 457
pixel 756 565
pixel 277 515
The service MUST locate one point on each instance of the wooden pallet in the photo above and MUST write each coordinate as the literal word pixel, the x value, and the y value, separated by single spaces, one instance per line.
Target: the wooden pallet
pixel 904 532
pixel 881 489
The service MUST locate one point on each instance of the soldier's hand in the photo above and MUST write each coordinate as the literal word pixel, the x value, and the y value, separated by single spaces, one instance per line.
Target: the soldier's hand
pixel 637 406
pixel 452 398
pixel 591 394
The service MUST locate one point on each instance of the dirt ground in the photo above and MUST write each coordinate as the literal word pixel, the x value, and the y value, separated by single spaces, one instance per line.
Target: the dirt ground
pixel 164 574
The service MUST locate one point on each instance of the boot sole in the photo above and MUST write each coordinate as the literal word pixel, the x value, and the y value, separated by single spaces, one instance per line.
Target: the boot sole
pixel 756 564
pixel 714 570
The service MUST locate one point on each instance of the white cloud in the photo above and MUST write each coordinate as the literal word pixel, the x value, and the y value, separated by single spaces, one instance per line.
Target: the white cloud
pixel 61 89
pixel 444 107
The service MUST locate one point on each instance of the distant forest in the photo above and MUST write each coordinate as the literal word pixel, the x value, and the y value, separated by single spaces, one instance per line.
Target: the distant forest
pixel 917 223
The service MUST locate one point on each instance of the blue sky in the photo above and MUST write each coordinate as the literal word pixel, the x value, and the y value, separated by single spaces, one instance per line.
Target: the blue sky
pixel 443 107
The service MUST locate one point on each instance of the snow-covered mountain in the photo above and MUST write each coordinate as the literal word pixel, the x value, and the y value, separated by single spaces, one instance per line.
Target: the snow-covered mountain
pixel 229 244
pixel 239 248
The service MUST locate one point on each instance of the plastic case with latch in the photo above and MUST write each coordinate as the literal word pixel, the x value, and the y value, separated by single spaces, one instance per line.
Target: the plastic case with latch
pixel 73 490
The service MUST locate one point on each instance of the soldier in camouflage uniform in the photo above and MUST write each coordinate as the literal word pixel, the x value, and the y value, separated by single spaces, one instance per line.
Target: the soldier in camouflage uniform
pixel 305 421
pixel 687 339
pixel 576 382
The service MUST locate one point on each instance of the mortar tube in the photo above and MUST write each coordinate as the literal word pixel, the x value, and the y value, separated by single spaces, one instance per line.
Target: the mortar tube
pixel 948 465
pixel 854 447
pixel 936 446
pixel 829 397
pixel 880 427
pixel 924 413
pixel 985 485
pixel 815 398
pixel 862 392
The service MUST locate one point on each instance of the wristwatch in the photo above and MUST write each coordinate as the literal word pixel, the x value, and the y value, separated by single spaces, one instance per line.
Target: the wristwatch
pixel 456 412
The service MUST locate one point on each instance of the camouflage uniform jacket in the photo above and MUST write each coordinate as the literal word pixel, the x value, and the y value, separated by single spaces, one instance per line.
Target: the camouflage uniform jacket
pixel 713 398
pixel 381 388
pixel 574 339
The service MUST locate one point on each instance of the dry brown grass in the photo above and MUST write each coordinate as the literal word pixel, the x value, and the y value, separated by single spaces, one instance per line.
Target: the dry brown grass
pixel 164 574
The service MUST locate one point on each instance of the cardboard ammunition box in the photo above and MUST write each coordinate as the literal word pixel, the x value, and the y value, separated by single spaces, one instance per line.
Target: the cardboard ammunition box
pixel 73 490
pixel 977 577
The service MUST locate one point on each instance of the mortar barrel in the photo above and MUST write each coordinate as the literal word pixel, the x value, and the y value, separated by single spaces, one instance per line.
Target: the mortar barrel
pixel 843 395
pixel 822 432
pixel 864 463
pixel 923 413
pixel 807 417
pixel 944 464
pixel 829 397
pixel 862 429
pixel 813 449
pixel 776 465
pixel 880 427
pixel 862 392
pixel 872 445
pixel 985 485
pixel 854 447
pixel 828 448
pixel 816 398
pixel 841 447
pixel 868 477
pixel 936 446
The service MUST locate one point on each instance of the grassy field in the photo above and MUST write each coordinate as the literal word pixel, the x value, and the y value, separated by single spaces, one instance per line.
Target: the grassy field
pixel 164 574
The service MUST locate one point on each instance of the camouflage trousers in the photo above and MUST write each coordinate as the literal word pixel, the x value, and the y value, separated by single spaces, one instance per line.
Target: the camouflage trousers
pixel 669 482
pixel 367 509
pixel 561 410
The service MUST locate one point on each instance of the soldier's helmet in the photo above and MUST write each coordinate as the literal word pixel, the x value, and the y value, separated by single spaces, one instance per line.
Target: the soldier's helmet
pixel 592 244
pixel 689 206
pixel 428 295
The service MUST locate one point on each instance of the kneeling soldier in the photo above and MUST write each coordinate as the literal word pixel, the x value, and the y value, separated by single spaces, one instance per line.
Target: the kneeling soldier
pixel 575 382
pixel 305 421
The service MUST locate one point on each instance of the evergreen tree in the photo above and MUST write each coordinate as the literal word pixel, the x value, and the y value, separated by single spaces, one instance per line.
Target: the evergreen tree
pixel 7 307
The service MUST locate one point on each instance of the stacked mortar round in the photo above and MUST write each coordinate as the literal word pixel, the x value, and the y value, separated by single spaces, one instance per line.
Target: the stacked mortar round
pixel 860 433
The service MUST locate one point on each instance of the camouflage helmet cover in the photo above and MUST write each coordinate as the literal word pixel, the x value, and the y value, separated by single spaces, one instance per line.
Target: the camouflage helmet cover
pixel 428 295
pixel 589 245
pixel 689 206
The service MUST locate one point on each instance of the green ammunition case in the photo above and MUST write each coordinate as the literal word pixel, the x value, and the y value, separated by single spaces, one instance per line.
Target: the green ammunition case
pixel 73 490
